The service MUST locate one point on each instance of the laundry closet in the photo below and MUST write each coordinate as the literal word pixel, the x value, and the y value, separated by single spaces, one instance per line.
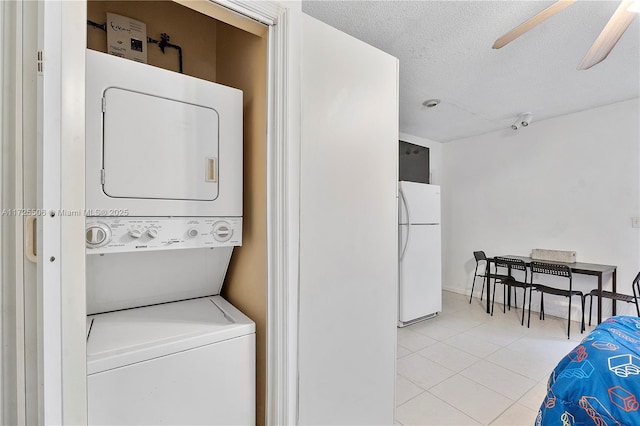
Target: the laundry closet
pixel 176 234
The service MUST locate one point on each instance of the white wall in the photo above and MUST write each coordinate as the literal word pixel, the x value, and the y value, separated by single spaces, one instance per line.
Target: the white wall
pixel 435 155
pixel 567 183
pixel 348 233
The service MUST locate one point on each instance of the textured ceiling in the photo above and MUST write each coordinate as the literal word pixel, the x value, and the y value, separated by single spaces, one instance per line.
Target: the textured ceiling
pixel 444 48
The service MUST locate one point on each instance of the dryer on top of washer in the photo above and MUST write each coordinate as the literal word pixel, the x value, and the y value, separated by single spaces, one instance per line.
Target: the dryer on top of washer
pixel 160 143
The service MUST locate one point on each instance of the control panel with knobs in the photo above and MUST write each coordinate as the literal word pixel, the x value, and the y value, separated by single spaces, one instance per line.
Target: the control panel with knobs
pixel 128 234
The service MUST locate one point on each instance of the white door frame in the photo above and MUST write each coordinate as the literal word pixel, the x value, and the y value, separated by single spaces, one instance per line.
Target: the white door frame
pixel 62 353
pixel 283 181
pixel 12 392
pixel 61 181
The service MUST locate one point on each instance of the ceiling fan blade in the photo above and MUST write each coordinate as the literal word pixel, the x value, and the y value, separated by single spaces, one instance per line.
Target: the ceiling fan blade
pixel 611 33
pixel 532 22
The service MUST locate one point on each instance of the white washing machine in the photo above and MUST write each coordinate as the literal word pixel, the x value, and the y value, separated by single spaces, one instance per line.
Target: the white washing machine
pixel 178 363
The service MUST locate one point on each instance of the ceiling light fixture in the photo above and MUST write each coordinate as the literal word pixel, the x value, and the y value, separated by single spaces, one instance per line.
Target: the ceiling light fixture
pixel 523 120
pixel 430 103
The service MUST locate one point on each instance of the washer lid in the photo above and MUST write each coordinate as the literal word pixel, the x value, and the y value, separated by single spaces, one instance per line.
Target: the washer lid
pixel 120 338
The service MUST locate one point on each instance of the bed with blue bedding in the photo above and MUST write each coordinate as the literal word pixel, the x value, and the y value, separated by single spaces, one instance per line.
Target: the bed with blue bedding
pixel 598 382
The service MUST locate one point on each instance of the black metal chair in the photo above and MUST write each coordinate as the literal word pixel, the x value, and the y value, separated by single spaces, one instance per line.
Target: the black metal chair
pixel 510 282
pixel 559 270
pixel 617 297
pixel 480 257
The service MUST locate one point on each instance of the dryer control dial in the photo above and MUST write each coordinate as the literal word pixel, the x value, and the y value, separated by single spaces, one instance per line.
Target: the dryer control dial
pixel 222 231
pixel 135 233
pixel 97 234
pixel 152 232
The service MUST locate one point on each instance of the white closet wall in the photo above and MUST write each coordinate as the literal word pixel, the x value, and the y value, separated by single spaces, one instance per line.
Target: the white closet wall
pixel 348 230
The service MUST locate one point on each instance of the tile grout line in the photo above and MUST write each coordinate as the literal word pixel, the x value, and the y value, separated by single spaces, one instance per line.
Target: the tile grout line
pixel 456 408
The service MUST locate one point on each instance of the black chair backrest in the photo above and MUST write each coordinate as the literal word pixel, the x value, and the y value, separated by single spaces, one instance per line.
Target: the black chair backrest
pixel 635 286
pixel 551 269
pixel 508 262
pixel 511 264
pixel 479 255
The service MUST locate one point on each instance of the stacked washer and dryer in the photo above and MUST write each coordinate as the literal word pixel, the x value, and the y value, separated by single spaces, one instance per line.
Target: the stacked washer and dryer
pixel 164 206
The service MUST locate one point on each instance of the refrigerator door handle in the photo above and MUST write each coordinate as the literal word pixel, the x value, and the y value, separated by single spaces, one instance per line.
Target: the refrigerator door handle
pixel 406 207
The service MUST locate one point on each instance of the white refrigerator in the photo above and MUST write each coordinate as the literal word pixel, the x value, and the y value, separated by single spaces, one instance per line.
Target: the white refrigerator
pixel 420 253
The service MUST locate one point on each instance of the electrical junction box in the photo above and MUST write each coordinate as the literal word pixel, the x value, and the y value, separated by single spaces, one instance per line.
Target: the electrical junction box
pixel 126 38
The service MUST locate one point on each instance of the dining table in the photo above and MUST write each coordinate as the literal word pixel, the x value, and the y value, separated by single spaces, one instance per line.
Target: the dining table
pixel 581 268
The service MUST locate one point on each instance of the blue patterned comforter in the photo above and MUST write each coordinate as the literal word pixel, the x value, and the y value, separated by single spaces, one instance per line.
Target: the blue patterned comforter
pixel 598 382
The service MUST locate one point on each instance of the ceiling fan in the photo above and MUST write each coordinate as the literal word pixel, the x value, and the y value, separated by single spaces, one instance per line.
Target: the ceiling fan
pixel 611 33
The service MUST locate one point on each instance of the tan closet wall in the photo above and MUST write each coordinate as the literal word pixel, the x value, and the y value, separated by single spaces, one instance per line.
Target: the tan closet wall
pixel 193 32
pixel 233 53
pixel 246 279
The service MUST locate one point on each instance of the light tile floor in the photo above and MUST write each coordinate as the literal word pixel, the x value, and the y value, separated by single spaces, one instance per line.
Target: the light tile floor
pixel 465 367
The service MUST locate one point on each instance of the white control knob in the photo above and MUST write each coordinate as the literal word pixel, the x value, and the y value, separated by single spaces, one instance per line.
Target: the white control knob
pixel 97 235
pixel 152 232
pixel 135 233
pixel 222 231
pixel 193 232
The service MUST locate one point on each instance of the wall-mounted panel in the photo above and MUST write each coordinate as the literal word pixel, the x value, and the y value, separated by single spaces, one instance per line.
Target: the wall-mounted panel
pixel 348 230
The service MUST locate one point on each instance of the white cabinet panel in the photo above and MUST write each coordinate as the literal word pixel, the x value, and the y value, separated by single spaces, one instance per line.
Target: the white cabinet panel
pixel 348 230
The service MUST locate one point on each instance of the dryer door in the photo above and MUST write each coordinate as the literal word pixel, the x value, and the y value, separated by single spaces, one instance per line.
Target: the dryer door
pixel 158 148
